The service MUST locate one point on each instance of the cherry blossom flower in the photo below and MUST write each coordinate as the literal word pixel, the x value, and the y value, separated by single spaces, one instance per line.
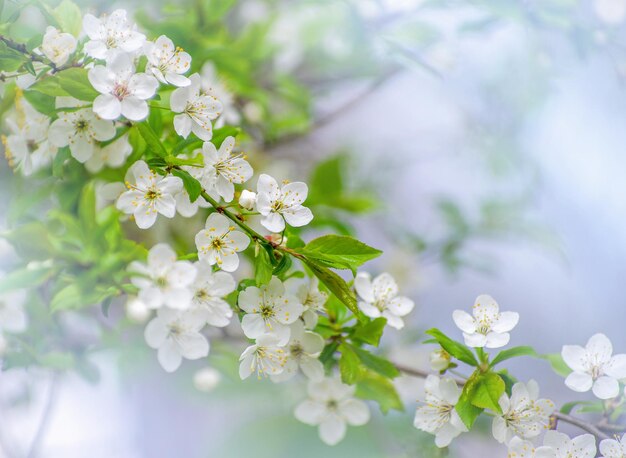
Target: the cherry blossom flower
pixel 520 448
pixel 523 414
pixel 28 148
pixel 594 368
pixel 488 327
pixel 280 204
pixel 167 62
pixel 112 155
pixel 559 445
pixel 302 350
pixel 122 91
pixel 437 414
pixel 196 110
pixel 247 199
pixel 79 129
pixel 439 360
pixel 137 311
pixel 212 85
pixel 111 34
pixel 269 309
pixel 149 195
pixel 331 406
pixel 57 46
pixel 209 291
pixel 176 335
pixel 265 357
pixel 164 281
pixel 223 169
pixel 613 448
pixel 379 297
pixel 219 242
pixel 310 296
pixel 206 379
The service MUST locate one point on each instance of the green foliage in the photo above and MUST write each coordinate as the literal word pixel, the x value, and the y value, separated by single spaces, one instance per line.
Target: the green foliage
pixel 349 365
pixel 192 186
pixel 513 353
pixel 28 277
pixel 380 389
pixel 557 363
pixel 263 268
pixel 339 252
pixel 72 82
pixel 152 139
pixel 369 332
pixel 456 349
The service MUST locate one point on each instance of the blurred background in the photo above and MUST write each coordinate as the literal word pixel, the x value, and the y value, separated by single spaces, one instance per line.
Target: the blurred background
pixel 478 143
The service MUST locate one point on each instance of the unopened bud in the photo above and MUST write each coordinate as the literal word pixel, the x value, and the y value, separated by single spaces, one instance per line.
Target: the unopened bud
pixel 439 360
pixel 247 199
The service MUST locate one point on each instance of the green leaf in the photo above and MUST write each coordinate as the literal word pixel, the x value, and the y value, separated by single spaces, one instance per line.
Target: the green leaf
pixel 380 389
pixel 376 363
pixel 349 365
pixel 557 363
pixel 192 186
pixel 219 135
pixel 335 284
pixel 10 60
pixel 152 139
pixel 44 104
pixel 62 155
pixel 25 278
pixel 262 268
pixel 513 353
pixel 456 349
pixel 371 332
pixel 68 17
pixel 49 85
pixel 74 81
pixel 57 360
pixel 339 252
pixel 467 411
pixel 487 391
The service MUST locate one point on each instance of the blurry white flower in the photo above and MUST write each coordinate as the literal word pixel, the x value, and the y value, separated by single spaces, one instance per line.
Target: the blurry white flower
pixel 107 193
pixel 379 297
pixel 253 112
pixel 13 318
pixel 269 309
pixel 223 169
pixel 164 281
pixel 488 327
pixel 219 242
pixel 137 311
pixel 247 199
pixel 331 405
pixel 613 448
pixel 302 350
pixel 313 300
pixel 79 129
pixel 209 291
pixel 196 110
pixel 167 62
pixel 523 414
pixel 559 445
pixel 3 345
pixel 265 357
pixel 148 195
pixel 57 46
pixel 176 334
pixel 27 148
pixel 594 367
pixel 610 11
pixel 122 91
pixel 111 34
pixel 112 155
pixel 206 379
pixel 437 414
pixel 439 360
pixel 213 86
pixel 278 205
pixel 520 448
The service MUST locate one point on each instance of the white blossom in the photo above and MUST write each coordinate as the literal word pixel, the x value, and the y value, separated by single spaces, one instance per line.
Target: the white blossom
pixel 111 34
pixel 122 91
pixel 247 199
pixel 613 448
pixel 167 62
pixel 148 194
pixel 13 318
pixel 302 350
pixel 280 204
pixel 137 311
pixel 265 357
pixel 331 405
pixel 559 445
pixel 209 290
pixel 379 297
pixel 308 292
pixel 79 129
pixel 195 110
pixel 164 281
pixel 111 155
pixel 594 368
pixel 437 415
pixel 439 360
pixel 520 448
pixel 488 327
pixel 57 46
pixel 176 335
pixel 219 242
pixel 269 309
pixel 206 379
pixel 523 414
pixel 222 169
pixel 212 85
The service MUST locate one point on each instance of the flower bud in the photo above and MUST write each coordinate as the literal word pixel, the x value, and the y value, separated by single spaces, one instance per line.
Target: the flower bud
pixel 439 360
pixel 137 311
pixel 247 199
pixel 206 379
